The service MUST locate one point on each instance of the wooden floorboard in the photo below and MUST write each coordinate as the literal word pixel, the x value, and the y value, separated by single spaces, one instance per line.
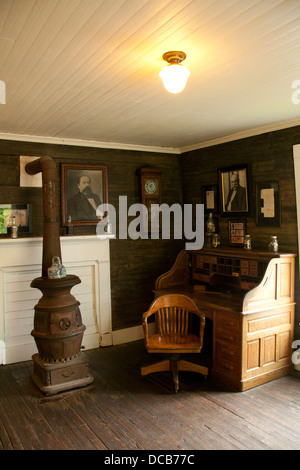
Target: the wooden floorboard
pixel 123 411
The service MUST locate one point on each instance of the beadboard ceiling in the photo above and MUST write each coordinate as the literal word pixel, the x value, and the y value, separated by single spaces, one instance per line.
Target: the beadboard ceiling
pixel 87 70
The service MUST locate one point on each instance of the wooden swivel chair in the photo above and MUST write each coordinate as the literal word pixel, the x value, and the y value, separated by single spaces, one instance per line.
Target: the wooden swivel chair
pixel 173 335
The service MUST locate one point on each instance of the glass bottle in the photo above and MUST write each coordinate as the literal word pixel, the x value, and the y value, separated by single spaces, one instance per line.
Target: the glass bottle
pixel 210 229
pixel 247 242
pixel 216 240
pixel 70 228
pixel 108 228
pixel 273 245
pixel 14 228
pixel 9 227
pixel 210 224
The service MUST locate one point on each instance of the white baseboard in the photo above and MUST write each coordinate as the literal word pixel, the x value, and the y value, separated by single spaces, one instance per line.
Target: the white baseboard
pixel 130 334
pixel 126 335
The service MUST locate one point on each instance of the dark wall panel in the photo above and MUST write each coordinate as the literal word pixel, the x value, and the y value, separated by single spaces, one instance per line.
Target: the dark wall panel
pixel 270 157
pixel 134 264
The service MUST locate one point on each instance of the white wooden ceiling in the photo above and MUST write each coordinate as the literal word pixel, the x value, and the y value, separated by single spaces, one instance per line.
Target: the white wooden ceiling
pixel 87 70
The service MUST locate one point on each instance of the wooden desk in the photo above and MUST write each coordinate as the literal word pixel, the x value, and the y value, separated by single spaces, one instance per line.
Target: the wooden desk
pixel 249 296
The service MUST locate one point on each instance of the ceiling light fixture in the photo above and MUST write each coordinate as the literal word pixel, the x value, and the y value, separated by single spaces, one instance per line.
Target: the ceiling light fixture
pixel 174 75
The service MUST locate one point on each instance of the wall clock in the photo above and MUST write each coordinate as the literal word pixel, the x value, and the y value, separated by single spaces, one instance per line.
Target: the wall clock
pixel 150 184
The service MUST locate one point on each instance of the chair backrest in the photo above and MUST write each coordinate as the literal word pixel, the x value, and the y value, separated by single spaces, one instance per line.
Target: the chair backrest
pixel 173 313
pixel 172 320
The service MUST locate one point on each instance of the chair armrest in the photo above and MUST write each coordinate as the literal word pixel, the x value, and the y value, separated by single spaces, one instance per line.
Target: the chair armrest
pixel 145 327
pixel 201 330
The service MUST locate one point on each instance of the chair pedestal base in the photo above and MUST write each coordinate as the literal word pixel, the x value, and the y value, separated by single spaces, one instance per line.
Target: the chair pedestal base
pixel 174 365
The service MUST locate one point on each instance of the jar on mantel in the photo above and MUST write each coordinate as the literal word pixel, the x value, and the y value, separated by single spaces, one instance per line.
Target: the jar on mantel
pixel 273 245
pixel 69 226
pixel 14 228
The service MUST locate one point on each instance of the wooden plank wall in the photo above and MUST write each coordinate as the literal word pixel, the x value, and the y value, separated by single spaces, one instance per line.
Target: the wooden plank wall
pixel 270 157
pixel 134 264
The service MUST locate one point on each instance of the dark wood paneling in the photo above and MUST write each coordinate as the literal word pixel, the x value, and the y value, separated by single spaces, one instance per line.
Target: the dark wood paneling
pixel 270 157
pixel 134 264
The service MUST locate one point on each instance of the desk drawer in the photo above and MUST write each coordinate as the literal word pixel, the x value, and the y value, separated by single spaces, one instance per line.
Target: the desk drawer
pixel 227 322
pixel 227 336
pixel 226 358
pixel 227 329
pixel 225 351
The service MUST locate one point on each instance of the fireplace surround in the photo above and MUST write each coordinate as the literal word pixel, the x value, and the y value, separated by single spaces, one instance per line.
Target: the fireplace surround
pixel 21 262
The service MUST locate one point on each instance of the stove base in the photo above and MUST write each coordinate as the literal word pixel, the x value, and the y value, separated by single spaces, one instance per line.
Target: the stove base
pixel 52 378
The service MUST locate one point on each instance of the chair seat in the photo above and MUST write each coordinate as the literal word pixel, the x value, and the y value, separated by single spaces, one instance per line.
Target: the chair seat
pixel 174 341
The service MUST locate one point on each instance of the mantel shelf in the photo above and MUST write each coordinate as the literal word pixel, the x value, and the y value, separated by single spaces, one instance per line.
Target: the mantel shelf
pixel 63 239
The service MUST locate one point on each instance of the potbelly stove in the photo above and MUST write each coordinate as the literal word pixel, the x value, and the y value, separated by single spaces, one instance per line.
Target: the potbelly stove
pixel 58 330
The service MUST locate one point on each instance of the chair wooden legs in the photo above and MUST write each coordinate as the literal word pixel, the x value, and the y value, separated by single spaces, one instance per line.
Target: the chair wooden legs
pixel 185 365
pixel 178 365
pixel 157 367
pixel 162 366
pixel 174 365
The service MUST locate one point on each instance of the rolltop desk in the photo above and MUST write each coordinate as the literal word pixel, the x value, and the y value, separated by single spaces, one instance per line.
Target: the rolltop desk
pixel 249 296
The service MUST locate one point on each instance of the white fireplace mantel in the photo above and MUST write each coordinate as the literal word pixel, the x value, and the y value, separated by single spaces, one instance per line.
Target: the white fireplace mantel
pixel 21 262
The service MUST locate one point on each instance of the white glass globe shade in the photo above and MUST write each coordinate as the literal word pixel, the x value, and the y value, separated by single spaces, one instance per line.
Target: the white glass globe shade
pixel 174 77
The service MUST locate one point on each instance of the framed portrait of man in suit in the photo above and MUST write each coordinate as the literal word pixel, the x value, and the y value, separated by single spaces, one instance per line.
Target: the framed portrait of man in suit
pixel 83 189
pixel 235 190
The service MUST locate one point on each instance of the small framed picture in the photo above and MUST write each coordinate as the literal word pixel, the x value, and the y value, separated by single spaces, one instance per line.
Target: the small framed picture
pixel 236 232
pixel 83 189
pixel 22 214
pixel 26 180
pixel 210 197
pixel 235 193
pixel 268 204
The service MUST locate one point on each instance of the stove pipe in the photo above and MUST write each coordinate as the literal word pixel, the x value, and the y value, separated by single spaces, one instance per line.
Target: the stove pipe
pixel 51 240
pixel 58 329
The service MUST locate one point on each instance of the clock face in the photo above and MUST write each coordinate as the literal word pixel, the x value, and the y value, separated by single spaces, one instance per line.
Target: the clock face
pixel 151 186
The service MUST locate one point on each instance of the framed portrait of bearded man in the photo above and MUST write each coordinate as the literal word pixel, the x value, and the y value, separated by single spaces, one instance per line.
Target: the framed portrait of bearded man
pixel 83 190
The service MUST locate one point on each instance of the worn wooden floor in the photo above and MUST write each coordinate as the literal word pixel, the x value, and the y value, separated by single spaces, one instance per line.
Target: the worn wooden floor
pixel 123 411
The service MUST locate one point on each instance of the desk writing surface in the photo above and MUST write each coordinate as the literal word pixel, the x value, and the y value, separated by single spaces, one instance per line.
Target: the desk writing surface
pixel 232 301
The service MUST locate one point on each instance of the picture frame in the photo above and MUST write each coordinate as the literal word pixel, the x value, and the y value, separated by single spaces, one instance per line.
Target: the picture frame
pixel 236 232
pixel 22 214
pixel 83 189
pixel 235 190
pixel 268 204
pixel 210 197
pixel 26 180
